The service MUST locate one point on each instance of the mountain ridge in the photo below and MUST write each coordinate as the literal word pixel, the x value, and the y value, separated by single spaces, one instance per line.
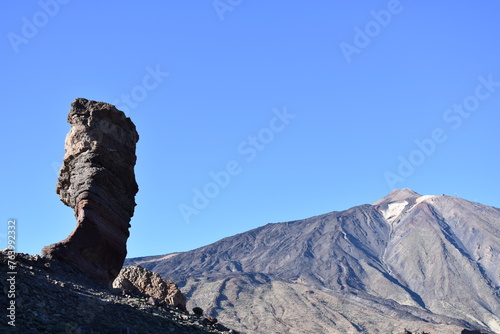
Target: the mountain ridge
pixel 424 259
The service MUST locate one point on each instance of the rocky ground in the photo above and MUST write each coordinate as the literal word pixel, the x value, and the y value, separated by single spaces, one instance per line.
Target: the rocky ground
pixel 51 297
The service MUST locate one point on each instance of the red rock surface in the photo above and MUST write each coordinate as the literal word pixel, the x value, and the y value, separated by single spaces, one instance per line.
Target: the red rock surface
pixel 97 180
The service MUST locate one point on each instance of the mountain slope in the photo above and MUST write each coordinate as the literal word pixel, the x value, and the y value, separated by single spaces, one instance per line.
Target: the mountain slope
pixel 406 261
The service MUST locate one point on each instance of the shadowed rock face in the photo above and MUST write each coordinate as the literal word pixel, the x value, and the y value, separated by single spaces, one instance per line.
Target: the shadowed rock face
pixel 97 180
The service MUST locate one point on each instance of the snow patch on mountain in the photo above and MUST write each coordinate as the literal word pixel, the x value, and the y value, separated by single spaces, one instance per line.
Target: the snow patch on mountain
pixel 394 210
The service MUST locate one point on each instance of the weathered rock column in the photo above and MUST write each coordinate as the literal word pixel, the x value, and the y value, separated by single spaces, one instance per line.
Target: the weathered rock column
pixel 97 180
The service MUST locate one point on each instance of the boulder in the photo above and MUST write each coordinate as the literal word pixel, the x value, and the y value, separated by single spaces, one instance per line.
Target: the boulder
pixel 140 280
pixel 97 180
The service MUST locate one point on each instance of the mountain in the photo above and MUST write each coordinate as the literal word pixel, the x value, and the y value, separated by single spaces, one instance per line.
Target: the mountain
pixel 406 262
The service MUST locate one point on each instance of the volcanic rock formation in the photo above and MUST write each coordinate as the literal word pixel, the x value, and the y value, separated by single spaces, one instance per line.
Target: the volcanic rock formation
pixel 97 180
pixel 139 280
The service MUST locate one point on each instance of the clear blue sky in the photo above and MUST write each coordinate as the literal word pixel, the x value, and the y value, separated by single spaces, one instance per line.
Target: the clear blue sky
pixel 372 96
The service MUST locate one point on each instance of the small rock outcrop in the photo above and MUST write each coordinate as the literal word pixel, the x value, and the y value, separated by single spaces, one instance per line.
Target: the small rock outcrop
pixel 97 180
pixel 137 279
